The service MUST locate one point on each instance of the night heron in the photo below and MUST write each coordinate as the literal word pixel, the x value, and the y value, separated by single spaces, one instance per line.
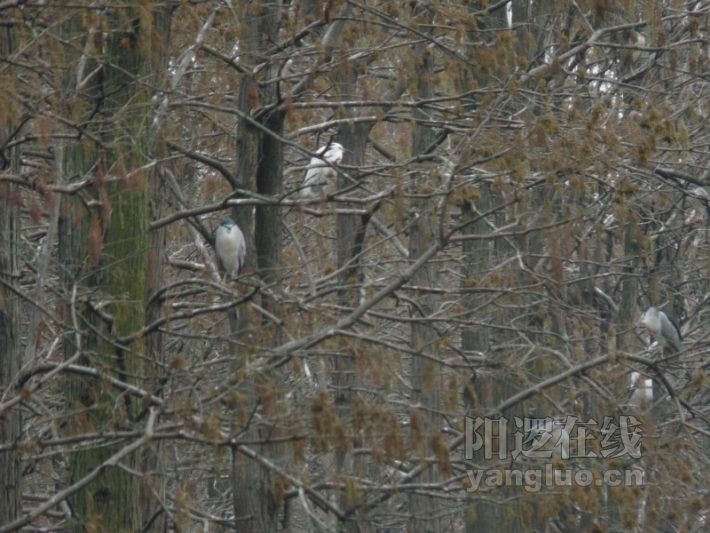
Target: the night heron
pixel 230 246
pixel 641 390
pixel 663 328
pixel 319 172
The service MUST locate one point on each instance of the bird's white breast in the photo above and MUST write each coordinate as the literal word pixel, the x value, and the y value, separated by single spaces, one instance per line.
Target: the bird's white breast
pixel 230 245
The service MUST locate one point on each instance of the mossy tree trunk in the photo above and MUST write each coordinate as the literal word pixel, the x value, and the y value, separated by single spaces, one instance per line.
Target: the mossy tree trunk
pixel 104 242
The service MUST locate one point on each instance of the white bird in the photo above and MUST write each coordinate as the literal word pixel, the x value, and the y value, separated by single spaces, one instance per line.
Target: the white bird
pixel 230 246
pixel 641 390
pixel 663 328
pixel 319 172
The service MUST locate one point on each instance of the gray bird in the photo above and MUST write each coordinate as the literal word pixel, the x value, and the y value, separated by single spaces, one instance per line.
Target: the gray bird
pixel 663 328
pixel 230 246
pixel 319 173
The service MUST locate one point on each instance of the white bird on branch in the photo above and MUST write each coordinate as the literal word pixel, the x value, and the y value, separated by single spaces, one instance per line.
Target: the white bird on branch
pixel 230 246
pixel 319 171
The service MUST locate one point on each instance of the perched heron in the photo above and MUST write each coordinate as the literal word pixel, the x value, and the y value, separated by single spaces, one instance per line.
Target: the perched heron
pixel 641 390
pixel 230 246
pixel 663 328
pixel 319 172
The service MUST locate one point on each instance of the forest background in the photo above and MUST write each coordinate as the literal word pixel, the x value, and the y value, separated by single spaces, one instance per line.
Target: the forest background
pixel 521 180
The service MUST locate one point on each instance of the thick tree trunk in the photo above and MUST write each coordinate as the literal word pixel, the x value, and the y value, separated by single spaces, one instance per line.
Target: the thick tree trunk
pixel 491 382
pixel 487 388
pixel 260 169
pixel 351 233
pixel 154 459
pixel 104 253
pixel 10 338
pixel 426 511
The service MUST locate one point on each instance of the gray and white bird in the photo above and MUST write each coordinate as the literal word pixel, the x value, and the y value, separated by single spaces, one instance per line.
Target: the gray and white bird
pixel 663 328
pixel 319 172
pixel 641 390
pixel 230 246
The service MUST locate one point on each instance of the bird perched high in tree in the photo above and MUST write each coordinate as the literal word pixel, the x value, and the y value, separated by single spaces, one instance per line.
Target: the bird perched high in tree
pixel 230 246
pixel 663 328
pixel 319 172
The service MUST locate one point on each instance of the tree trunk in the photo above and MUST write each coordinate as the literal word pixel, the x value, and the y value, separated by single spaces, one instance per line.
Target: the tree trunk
pixel 10 338
pixel 154 457
pixel 260 168
pixel 104 252
pixel 492 383
pixel 426 511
